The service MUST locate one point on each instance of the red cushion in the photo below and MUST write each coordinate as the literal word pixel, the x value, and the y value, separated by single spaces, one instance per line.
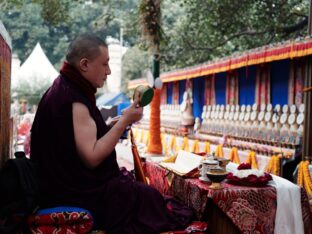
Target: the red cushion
pixel 61 222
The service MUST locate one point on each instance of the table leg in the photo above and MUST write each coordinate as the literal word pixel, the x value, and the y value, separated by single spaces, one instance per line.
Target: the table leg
pixel 218 222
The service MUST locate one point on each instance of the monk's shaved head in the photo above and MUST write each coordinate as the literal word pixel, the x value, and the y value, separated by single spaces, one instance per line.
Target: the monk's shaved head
pixel 84 46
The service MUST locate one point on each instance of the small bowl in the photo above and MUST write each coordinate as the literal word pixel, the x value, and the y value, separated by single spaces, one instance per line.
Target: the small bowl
pixel 216 176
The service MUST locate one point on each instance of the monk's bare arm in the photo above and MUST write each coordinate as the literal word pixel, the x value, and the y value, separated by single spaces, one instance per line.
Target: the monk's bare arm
pixel 91 150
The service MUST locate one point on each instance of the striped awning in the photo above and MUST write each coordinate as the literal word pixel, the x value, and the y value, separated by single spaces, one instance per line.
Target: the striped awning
pixel 273 52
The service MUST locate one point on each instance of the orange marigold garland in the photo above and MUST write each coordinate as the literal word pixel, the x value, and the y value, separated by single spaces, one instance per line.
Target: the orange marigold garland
pixel 304 177
pixel 155 146
pixel 273 166
pixel 276 166
pixel 307 174
pixel 300 174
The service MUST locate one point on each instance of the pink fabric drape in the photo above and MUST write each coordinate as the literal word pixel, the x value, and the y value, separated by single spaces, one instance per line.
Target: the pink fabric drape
pixel 296 79
pixel 163 100
pixel 175 93
pixel 263 86
pixel 232 88
pixel 210 96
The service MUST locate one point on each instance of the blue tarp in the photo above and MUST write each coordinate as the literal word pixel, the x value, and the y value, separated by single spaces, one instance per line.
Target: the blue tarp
pixel 112 99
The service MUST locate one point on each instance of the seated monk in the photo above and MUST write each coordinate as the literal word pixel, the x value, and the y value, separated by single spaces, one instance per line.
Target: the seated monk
pixel 75 151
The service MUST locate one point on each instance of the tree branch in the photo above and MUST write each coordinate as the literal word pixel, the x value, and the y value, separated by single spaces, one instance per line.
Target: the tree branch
pixel 295 27
pixel 298 14
pixel 3 4
pixel 235 35
pixel 286 30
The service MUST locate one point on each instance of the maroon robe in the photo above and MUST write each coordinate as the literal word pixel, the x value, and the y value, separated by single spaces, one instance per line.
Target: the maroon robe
pixel 117 203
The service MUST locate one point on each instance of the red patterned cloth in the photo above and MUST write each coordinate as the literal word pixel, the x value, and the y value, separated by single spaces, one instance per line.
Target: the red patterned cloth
pixel 157 177
pixel 251 209
pixel 306 212
pixel 61 223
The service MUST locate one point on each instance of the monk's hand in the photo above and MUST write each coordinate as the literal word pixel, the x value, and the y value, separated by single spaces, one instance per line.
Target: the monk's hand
pixel 136 101
pixel 133 113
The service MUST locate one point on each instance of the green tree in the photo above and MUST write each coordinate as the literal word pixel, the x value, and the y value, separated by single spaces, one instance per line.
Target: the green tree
pixel 210 29
pixel 54 23
pixel 195 31
pixel 26 28
pixel 135 61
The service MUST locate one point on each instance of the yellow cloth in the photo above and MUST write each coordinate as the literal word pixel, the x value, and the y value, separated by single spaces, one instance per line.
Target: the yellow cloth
pixel 164 145
pixel 234 155
pixel 185 145
pixel 252 160
pixel 207 147
pixel 173 144
pixel 195 147
pixel 219 151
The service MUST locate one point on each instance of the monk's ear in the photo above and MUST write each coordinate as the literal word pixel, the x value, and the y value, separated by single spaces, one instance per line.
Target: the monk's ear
pixel 83 64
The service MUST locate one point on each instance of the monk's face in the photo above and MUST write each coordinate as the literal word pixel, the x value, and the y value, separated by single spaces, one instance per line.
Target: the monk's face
pixel 98 68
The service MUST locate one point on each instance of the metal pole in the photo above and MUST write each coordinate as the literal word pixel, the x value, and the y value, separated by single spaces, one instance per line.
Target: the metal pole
pixel 155 67
pixel 309 19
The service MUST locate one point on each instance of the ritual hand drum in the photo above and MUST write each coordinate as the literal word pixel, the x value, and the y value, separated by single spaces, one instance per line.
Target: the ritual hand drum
pixel 145 94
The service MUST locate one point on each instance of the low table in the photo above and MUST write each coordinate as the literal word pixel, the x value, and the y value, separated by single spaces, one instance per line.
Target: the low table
pixel 233 209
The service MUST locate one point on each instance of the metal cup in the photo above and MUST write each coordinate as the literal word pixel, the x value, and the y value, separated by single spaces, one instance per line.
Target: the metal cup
pixel 205 166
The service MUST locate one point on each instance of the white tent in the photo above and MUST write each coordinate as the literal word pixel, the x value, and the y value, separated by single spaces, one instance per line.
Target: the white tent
pixel 37 71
